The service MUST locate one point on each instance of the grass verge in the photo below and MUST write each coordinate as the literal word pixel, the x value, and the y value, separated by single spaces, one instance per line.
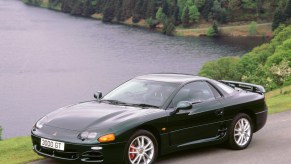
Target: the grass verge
pixel 17 150
pixel 279 102
pixel 263 29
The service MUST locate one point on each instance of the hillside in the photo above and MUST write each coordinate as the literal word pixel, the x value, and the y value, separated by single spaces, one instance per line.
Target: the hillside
pixel 168 15
pixel 268 64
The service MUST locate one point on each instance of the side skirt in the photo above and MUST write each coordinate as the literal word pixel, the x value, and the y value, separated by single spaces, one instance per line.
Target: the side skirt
pixel 166 149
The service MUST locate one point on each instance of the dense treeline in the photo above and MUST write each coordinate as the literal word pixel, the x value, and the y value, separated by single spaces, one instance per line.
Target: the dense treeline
pixel 171 13
pixel 268 65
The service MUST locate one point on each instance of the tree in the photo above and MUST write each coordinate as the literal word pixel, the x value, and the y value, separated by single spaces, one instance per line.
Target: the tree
pixel 137 11
pixel 144 9
pixel 67 6
pixel 151 23
pixel 88 8
pixel 108 13
pixel 215 28
pixel 249 4
pixel 223 68
pixel 185 16
pixel 252 28
pixel 282 52
pixel 151 9
pixel 218 13
pixel 176 14
pixel 234 5
pixel 159 14
pixel 118 10
pixel 165 7
pixel 279 17
pixel 287 11
pixel 99 6
pixel 193 13
pixel 260 7
pixel 127 8
pixel 169 28
pixel 212 31
pixel 199 3
pixel 206 9
pixel 280 73
pixel 77 8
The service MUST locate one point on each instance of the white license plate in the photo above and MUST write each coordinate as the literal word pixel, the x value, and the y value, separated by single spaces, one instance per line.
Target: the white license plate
pixel 52 144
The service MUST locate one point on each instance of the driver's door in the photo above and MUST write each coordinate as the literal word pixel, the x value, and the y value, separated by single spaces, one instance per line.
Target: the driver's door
pixel 203 121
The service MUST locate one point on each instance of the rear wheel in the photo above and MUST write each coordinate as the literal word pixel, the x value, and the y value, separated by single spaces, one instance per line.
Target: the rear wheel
pixel 142 148
pixel 241 132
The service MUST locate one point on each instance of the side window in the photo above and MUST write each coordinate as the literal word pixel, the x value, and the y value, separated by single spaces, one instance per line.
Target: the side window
pixel 224 87
pixel 214 91
pixel 196 91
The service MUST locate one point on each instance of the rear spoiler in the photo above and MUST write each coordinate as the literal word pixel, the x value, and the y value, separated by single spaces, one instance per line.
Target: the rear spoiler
pixel 245 86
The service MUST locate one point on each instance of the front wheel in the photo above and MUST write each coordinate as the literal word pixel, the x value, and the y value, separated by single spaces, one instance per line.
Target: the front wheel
pixel 142 148
pixel 241 132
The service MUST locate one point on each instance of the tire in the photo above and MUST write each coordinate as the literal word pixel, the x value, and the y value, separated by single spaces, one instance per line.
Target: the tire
pixel 142 146
pixel 239 138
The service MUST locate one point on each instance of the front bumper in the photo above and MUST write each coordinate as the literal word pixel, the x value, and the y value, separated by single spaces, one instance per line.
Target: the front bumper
pixel 110 153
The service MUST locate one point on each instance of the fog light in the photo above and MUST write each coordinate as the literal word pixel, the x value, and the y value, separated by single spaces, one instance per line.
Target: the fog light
pixel 96 148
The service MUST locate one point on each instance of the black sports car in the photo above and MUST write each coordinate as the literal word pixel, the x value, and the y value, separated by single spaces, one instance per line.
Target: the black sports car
pixel 153 115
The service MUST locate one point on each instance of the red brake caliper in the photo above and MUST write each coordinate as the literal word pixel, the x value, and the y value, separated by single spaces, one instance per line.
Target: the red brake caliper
pixel 132 156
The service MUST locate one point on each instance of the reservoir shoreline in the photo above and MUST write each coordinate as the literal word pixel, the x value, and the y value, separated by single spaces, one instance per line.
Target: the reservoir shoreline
pixel 236 29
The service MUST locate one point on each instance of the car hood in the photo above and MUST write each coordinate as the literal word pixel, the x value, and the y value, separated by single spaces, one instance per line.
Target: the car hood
pixel 94 115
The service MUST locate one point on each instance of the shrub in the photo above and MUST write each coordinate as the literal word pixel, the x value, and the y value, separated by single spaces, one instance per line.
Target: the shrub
pixel 151 23
pixel 169 28
pixel 252 28
pixel 223 68
pixel 212 31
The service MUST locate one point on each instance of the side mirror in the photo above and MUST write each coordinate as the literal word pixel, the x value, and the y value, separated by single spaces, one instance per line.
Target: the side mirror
pixel 98 95
pixel 184 105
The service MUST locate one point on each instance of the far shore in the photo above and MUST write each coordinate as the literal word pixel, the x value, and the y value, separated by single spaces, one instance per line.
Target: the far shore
pixel 230 30
pixel 234 29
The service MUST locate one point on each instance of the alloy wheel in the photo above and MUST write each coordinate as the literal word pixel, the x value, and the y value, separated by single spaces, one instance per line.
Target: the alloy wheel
pixel 242 132
pixel 141 150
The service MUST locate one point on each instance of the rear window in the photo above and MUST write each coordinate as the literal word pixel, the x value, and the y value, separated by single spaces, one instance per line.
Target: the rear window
pixel 224 87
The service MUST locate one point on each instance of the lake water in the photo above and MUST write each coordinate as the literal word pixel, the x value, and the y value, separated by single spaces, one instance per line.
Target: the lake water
pixel 51 59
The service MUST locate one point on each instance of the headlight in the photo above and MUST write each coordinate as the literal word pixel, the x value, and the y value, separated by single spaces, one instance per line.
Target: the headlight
pixel 88 135
pixel 41 122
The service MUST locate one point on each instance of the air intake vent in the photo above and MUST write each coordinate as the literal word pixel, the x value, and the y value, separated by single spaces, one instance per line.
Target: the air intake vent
pixel 92 156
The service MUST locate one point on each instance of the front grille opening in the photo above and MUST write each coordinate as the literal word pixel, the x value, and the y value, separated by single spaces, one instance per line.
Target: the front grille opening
pixel 92 156
pixel 66 155
pixel 57 154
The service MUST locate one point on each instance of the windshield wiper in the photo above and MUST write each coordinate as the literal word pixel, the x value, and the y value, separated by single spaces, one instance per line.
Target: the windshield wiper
pixel 117 102
pixel 145 105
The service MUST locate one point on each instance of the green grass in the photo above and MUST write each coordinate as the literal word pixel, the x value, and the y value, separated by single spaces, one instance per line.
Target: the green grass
pixel 279 102
pixel 17 150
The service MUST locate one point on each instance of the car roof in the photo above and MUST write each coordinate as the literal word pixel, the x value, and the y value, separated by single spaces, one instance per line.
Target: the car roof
pixel 171 77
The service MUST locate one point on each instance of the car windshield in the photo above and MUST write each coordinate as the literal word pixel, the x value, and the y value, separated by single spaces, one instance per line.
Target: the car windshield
pixel 143 93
